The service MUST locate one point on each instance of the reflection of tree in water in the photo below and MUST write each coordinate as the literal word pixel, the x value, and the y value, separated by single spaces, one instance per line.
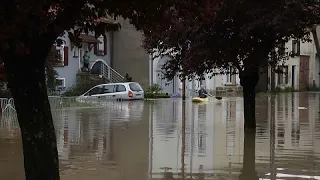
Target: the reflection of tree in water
pixel 167 175
pixel 200 175
pixel 231 123
pixel 166 115
pixel 280 120
pixel 249 154
pixel 58 122
pixel 295 125
pixel 202 133
pixel 262 117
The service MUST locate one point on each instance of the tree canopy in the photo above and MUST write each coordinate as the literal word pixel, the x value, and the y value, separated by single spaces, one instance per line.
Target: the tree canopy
pixel 242 34
pixel 26 23
pixel 28 30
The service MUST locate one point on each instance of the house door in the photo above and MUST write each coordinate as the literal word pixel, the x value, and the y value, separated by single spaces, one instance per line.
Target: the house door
pixel 167 86
pixel 293 77
pixel 304 72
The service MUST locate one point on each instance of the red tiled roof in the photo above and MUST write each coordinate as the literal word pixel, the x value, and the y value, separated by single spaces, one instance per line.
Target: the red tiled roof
pixel 88 39
pixel 106 20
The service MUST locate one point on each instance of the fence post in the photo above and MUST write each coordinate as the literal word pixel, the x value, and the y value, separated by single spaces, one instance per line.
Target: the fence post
pixel 109 74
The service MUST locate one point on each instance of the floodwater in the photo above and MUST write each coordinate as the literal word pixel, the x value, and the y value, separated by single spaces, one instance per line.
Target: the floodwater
pixel 151 141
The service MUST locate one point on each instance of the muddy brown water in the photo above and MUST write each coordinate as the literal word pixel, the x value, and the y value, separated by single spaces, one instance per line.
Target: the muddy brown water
pixel 147 140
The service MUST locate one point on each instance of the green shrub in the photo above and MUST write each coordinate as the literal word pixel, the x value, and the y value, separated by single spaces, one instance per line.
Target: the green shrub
pixel 85 81
pixel 155 96
pixel 154 89
pixel 277 89
pixel 309 88
pixel 289 89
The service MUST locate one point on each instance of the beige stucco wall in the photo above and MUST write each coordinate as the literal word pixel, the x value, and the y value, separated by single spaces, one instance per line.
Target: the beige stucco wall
pixel 128 55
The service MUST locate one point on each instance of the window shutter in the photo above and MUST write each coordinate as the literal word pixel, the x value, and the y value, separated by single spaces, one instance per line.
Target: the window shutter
pixel 294 47
pixel 298 48
pixel 95 49
pixel 65 56
pixel 105 45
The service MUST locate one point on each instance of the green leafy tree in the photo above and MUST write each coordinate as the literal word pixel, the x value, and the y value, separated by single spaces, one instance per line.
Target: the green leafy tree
pixel 245 35
pixel 52 60
pixel 28 30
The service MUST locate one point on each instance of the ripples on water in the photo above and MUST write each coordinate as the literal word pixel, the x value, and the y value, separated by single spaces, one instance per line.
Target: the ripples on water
pixel 144 140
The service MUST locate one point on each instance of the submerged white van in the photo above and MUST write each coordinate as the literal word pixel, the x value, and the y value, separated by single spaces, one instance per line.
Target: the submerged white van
pixel 116 91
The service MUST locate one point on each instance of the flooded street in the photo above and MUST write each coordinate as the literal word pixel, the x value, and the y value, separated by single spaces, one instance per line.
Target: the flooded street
pixel 149 140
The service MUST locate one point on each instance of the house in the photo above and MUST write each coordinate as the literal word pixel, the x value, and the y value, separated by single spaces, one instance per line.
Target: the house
pixel 119 52
pixel 128 55
pixel 211 139
pixel 218 83
pixel 72 57
pixel 300 71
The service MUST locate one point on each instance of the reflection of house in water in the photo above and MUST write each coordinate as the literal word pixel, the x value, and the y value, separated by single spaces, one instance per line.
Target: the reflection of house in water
pixel 92 138
pixel 206 140
pixel 294 125
pixel 166 115
pixel 214 138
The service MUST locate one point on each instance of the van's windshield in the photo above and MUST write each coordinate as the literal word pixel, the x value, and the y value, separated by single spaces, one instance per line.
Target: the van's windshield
pixel 135 87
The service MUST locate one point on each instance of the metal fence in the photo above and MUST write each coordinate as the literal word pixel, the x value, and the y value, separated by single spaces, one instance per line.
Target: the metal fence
pixel 9 116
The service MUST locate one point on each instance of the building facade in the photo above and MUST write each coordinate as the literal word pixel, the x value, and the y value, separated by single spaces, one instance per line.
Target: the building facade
pixel 72 56
pixel 300 71
pixel 128 56
pixel 212 84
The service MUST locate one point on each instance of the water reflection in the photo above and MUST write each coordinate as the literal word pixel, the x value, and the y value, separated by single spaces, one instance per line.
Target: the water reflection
pixel 160 140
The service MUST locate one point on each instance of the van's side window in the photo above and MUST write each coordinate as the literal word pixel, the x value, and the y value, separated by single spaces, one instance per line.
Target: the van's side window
pixel 94 91
pixel 109 89
pixel 121 88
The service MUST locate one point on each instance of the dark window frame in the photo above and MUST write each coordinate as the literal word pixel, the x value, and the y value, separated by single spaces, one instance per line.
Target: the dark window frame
pixel 121 85
pixel 104 89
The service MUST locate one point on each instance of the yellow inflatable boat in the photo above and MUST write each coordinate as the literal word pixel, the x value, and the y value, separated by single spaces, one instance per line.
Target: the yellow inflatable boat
pixel 198 99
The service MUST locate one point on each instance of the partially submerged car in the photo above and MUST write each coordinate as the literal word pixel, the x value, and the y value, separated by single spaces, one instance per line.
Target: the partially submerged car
pixel 115 91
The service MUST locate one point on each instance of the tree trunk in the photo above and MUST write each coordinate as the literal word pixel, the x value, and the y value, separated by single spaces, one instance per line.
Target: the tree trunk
pixel 183 89
pixel 26 79
pixel 249 156
pixel 248 81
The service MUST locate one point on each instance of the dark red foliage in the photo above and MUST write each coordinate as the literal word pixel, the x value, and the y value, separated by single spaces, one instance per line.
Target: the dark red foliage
pixel 220 34
pixel 28 30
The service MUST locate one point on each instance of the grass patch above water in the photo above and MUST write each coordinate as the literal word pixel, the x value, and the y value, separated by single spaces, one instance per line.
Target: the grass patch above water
pixel 156 96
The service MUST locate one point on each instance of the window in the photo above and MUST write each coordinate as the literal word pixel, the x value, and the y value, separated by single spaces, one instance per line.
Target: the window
pixel 286 74
pixel 201 142
pixel 85 47
pixel 229 75
pixel 280 75
pixel 283 75
pixel 60 51
pixel 94 91
pixel 61 83
pixel 121 88
pixel 108 89
pixel 75 51
pixel 135 87
pixel 101 45
pixel 295 47
pixel 202 80
pixel 282 49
